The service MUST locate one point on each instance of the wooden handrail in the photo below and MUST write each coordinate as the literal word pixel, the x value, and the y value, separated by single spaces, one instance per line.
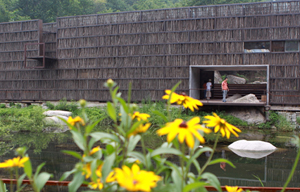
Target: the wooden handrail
pixel 209 188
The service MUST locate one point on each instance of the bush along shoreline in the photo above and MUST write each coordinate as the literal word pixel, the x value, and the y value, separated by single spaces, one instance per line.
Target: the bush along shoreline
pixel 30 119
pixel 119 166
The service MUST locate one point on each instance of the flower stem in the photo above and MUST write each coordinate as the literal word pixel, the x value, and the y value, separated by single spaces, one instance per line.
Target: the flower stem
pixel 11 182
pixel 182 166
pixel 144 151
pixel 211 155
pixel 292 171
pixel 17 177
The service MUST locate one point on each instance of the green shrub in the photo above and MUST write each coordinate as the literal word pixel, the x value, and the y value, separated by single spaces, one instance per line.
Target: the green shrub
pixel 278 121
pixel 65 106
pixel 50 105
pixel 2 105
pixel 22 119
pixel 298 120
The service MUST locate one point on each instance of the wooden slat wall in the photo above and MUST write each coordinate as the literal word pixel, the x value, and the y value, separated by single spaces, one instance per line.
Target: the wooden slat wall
pixel 154 49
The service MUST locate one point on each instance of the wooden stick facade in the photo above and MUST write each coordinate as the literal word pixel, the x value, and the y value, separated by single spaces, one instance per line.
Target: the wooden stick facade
pixel 153 49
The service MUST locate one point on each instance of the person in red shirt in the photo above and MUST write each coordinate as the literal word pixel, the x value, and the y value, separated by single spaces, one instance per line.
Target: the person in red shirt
pixel 225 89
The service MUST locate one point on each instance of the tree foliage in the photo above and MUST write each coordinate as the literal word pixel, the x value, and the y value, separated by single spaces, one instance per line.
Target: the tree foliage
pixel 49 10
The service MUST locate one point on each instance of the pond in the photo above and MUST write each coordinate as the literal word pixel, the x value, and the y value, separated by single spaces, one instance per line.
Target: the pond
pixel 271 170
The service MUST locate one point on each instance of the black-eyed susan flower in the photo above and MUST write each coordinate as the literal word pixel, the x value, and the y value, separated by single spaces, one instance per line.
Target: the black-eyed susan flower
pixel 135 179
pixel 76 120
pixel 140 129
pixel 97 185
pixel 233 189
pixel 15 162
pixel 111 177
pixel 95 150
pixel 86 170
pixel 221 125
pixel 186 101
pixel 185 131
pixel 140 116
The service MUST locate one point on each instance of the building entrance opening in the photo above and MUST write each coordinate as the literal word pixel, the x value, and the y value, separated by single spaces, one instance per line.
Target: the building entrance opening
pixel 242 80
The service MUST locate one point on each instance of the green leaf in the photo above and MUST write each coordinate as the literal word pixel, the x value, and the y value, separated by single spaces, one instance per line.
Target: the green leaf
pixel 93 170
pixel 89 128
pixel 166 150
pixel 123 104
pixel 107 165
pixel 41 180
pixel 28 168
pixel 110 149
pixel 212 180
pixel 193 186
pixel 161 115
pixel 38 169
pixel 2 186
pixel 20 179
pixel 196 155
pixel 220 160
pixel 91 143
pixel 73 153
pixel 177 179
pixel 137 155
pixel 67 174
pixel 78 139
pixel 133 140
pixel 111 111
pixel 101 135
pixel 76 182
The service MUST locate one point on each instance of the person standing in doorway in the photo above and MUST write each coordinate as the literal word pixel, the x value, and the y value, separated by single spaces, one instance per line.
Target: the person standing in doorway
pixel 204 89
pixel 208 89
pixel 225 89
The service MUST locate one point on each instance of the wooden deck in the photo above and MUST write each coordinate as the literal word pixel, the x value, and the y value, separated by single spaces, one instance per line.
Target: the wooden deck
pixel 218 102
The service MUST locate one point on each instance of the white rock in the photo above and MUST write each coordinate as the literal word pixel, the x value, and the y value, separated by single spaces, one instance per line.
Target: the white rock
pixel 55 120
pixel 250 98
pixel 236 80
pixel 250 115
pixel 217 77
pixel 252 149
pixel 51 113
pixel 233 97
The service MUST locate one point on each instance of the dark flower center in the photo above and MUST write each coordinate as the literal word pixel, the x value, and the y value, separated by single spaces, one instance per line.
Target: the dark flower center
pixel 135 182
pixel 183 125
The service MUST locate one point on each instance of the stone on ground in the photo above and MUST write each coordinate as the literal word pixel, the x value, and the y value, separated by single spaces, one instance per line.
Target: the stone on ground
pixel 236 80
pixel 233 97
pixel 51 113
pixel 250 98
pixel 251 115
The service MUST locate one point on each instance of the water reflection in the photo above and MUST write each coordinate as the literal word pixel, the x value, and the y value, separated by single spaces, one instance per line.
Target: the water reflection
pixel 272 170
pixel 46 147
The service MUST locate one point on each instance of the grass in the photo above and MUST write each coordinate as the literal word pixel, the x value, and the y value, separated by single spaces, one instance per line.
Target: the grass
pixel 279 121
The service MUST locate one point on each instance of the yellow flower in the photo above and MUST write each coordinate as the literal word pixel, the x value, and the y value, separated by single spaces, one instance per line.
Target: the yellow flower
pixel 140 129
pixel 87 170
pixel 233 189
pixel 186 101
pixel 97 185
pixel 111 177
pixel 184 130
pixel 15 162
pixel 76 120
pixel 221 125
pixel 135 179
pixel 140 116
pixel 95 150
